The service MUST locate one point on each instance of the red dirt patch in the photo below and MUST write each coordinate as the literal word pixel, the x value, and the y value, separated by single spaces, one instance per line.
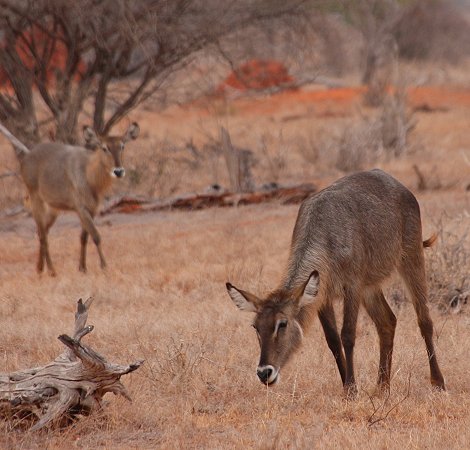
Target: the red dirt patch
pixel 256 74
pixel 342 101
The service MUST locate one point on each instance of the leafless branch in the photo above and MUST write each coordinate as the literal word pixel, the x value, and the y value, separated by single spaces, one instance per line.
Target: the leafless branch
pixel 372 419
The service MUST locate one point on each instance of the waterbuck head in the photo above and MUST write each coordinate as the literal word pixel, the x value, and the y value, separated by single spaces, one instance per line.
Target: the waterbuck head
pixel 278 323
pixel 111 147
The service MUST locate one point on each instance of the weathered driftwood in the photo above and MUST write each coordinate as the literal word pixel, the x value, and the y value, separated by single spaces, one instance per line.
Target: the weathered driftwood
pixel 284 195
pixel 73 384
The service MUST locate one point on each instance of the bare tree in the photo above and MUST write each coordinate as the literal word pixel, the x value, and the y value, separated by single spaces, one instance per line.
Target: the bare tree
pixel 376 20
pixel 116 53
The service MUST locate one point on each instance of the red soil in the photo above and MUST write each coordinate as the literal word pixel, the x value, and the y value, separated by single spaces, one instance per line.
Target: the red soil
pixel 259 74
pixel 342 101
pixel 256 74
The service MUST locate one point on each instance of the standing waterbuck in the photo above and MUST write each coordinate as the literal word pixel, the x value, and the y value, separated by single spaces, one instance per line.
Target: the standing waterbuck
pixel 65 177
pixel 347 240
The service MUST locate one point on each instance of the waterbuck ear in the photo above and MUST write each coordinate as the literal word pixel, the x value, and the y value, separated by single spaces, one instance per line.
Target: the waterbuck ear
pixel 132 132
pixel 91 139
pixel 244 300
pixel 310 289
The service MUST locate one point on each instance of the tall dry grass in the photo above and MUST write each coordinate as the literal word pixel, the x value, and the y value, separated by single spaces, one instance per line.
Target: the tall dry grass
pixel 163 299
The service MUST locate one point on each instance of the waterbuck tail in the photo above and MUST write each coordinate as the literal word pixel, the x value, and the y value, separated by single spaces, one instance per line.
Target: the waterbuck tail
pixel 430 242
pixel 20 149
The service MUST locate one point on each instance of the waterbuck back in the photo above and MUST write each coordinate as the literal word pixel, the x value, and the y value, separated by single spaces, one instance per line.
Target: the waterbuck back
pixel 347 240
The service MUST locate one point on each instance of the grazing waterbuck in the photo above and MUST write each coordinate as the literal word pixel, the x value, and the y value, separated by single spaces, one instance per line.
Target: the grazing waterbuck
pixel 65 177
pixel 347 240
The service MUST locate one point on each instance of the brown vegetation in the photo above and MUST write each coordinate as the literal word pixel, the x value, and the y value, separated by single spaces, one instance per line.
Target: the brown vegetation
pixel 198 387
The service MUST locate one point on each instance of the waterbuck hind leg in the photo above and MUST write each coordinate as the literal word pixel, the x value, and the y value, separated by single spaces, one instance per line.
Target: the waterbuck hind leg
pixel 83 245
pixel 327 318
pixel 413 273
pixel 385 322
pixel 88 225
pixel 42 245
pixel 348 338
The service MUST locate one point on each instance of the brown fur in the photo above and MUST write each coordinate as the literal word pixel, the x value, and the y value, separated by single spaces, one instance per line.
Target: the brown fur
pixel 64 177
pixel 347 241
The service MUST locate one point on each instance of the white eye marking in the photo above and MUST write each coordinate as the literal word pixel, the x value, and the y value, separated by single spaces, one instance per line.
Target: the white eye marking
pixel 297 324
pixel 280 324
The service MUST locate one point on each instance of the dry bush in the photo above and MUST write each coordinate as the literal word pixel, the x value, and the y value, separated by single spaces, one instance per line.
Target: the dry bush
pixel 383 136
pixel 11 187
pixel 164 169
pixel 448 268
pixel 360 145
pixel 273 156
pixel 157 177
pixel 178 364
pixel 396 122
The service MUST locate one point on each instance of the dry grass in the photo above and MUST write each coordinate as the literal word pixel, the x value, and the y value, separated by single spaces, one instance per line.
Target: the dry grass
pixel 164 299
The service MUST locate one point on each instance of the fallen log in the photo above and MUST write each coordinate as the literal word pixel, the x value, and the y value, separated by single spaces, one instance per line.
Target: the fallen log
pixel 72 385
pixel 284 195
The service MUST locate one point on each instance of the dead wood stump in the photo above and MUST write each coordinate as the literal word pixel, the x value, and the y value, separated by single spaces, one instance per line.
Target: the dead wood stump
pixel 71 385
pixel 239 163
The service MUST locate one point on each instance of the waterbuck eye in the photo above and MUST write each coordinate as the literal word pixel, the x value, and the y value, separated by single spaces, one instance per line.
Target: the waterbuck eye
pixel 105 148
pixel 280 324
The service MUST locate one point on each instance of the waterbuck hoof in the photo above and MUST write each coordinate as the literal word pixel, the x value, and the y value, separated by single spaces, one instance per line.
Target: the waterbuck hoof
pixel 82 269
pixel 438 385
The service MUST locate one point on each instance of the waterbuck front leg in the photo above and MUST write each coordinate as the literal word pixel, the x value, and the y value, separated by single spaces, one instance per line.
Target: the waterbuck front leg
pixel 88 227
pixel 83 244
pixel 348 338
pixel 385 322
pixel 44 219
pixel 326 314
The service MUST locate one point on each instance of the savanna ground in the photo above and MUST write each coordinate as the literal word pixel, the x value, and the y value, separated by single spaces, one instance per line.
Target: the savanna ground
pixel 163 297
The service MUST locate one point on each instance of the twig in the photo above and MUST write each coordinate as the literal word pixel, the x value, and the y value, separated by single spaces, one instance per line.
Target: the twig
pixel 13 139
pixel 379 419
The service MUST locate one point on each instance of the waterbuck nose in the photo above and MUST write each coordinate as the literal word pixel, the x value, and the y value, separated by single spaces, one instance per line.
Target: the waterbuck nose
pixel 264 373
pixel 119 171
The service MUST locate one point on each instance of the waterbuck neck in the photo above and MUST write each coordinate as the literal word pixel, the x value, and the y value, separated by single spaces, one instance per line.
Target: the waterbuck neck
pixel 302 260
pixel 98 175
